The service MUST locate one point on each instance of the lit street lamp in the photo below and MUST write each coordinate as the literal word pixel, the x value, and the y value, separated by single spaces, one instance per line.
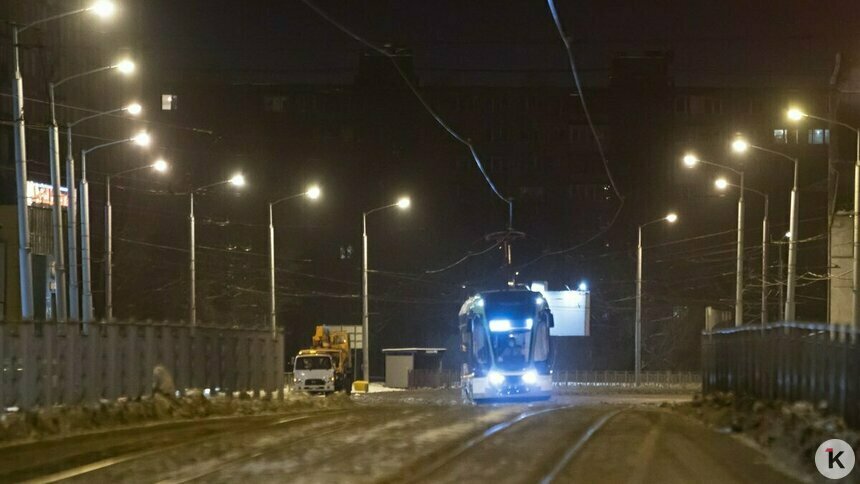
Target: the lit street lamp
pixel 140 139
pixel 72 215
pixel 739 145
pixel 722 184
pixel 796 115
pixel 403 203
pixel 101 8
pixel 671 218
pixel 312 193
pixel 159 166
pixel 237 180
pixel 691 160
pixel 57 217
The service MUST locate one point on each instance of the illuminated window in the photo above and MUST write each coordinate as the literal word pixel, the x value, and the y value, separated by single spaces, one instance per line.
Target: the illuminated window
pixel 818 136
pixel 780 136
pixel 169 102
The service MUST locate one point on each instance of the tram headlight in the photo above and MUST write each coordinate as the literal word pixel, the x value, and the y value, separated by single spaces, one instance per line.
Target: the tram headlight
pixel 529 323
pixel 495 378
pixel 530 377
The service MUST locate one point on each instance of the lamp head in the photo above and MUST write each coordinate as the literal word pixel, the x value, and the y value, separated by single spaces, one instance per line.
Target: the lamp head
pixel 404 203
pixel 142 139
pixel 238 180
pixel 690 160
pixel 740 145
pixel 103 8
pixel 671 218
pixel 134 109
pixel 126 66
pixel 795 114
pixel 313 192
pixel 721 183
pixel 160 165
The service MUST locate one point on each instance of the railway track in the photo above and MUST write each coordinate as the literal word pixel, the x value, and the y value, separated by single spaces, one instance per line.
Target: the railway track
pixel 234 462
pixel 435 467
pixel 572 452
pixel 270 452
pixel 85 455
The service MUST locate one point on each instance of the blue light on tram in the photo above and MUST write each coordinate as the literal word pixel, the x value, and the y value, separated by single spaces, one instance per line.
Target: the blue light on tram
pixel 499 325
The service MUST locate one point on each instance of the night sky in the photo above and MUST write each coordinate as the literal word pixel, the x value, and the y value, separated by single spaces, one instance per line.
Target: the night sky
pixel 508 42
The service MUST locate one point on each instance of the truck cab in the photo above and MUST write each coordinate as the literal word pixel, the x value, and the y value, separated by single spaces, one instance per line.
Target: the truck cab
pixel 313 372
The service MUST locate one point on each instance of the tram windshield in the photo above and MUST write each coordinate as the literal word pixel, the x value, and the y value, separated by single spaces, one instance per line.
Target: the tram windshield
pixel 513 333
pixel 511 350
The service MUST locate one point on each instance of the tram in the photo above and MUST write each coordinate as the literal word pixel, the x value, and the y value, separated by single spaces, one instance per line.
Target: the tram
pixel 505 335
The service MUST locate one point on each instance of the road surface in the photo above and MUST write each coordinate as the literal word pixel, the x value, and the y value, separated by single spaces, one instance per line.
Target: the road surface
pixel 407 437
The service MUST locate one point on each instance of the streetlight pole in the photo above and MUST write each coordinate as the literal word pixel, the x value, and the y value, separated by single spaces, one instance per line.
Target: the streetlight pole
pixel 403 203
pixel 56 210
pixel 721 184
pixel 237 180
pixel 691 160
pixel 192 271
pixel 671 218
pixel 72 218
pixel 313 193
pixel 57 214
pixel 638 325
pixel 739 145
pixel 86 257
pixel 72 230
pixel 159 166
pixel 796 114
pixel 25 260
pixel 764 259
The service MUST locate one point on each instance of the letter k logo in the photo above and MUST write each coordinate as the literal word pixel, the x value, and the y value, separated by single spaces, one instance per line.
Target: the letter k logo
pixel 831 458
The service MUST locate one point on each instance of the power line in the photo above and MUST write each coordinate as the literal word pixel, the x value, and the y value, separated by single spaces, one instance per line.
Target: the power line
pixel 454 134
pixel 566 40
pixel 463 259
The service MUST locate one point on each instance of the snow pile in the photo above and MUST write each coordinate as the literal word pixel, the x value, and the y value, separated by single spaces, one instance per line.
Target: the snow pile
pixel 792 431
pixel 60 420
pixel 381 388
pixel 617 388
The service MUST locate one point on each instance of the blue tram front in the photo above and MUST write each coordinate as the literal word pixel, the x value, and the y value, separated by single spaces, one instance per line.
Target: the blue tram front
pixel 505 335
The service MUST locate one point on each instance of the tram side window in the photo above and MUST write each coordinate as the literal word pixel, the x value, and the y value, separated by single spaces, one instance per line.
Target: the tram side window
pixel 541 345
pixel 479 345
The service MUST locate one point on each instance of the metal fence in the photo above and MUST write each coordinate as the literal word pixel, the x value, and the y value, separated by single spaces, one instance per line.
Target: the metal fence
pixel 786 361
pixel 48 363
pixel 625 378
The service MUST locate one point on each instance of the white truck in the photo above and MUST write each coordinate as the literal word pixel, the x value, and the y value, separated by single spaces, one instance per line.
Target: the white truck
pixel 313 372
pixel 326 366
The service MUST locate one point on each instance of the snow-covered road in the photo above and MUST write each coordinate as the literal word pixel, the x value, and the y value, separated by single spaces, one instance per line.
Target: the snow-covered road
pixel 409 437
